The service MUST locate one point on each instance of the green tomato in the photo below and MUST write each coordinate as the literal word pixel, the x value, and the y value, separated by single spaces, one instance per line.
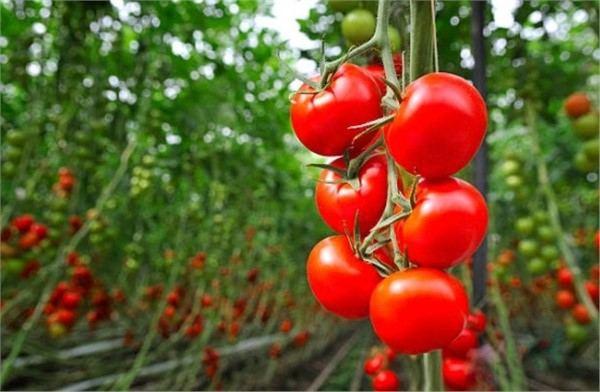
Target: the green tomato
pixel 12 267
pixel 514 181
pixel 16 138
pixel 510 167
pixel 546 233
pixel 591 149
pixel 358 26
pixel 576 334
pixel 586 126
pixel 537 266
pixel 9 169
pixel 13 153
pixel 343 5
pixel 549 252
pixel 528 248
pixel 395 39
pixel 525 225
pixel 582 163
pixel 540 216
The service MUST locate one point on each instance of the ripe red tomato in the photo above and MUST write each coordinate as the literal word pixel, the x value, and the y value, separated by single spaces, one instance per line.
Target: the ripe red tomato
pixel 564 299
pixel 593 290
pixel 458 374
pixel 70 300
pixel 577 104
pixel 386 380
pixel 28 240
pixel 477 321
pixel 439 126
pixel 418 310
pixel 340 281
pixel 23 222
pixel 462 345
pixel 338 202
pixel 40 230
pixel 378 72
pixel 447 224
pixel 321 121
pixel 286 326
pixel 564 277
pixel 580 314
pixel 374 364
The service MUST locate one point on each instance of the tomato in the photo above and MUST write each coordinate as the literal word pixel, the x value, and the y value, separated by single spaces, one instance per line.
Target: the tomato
pixel 564 299
pixel 374 364
pixel 458 374
pixel 286 326
pixel 564 277
pixel 340 281
pixel 536 266
pixel 546 233
pixel 41 231
pixel 447 224
pixel 510 167
pixel 386 380
pixel 577 104
pixel 576 333
pixel 586 126
pixel 321 121
pixel 462 344
pixel 70 300
pixel 593 291
pixel 580 314
pixel 358 26
pixel 477 321
pixel 28 240
pixel 525 225
pixel 339 203
pixel 418 310
pixel 528 247
pixel 378 72
pixel 23 223
pixel 549 252
pixel 591 149
pixel 439 126
pixel 395 39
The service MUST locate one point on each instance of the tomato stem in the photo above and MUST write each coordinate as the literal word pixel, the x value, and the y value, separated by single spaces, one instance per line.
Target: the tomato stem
pixel 432 365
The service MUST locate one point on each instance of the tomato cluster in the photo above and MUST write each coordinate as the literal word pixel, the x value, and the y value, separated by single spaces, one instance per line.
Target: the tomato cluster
pixel 585 125
pixel 377 366
pixel 435 132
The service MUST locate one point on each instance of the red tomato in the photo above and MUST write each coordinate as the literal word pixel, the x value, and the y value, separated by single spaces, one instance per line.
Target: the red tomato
pixel 338 203
pixel 477 321
pixel 286 326
pixel 386 380
pixel 593 290
pixel 447 224
pixel 462 345
pixel 564 277
pixel 439 126
pixel 378 72
pixel 458 374
pixel 374 364
pixel 577 104
pixel 70 300
pixel 23 222
pixel 580 314
pixel 564 299
pixel 340 281
pixel 28 240
pixel 41 231
pixel 321 121
pixel 63 316
pixel 418 310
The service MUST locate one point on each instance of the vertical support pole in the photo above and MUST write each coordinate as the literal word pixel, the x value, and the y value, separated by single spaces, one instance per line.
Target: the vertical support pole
pixel 481 159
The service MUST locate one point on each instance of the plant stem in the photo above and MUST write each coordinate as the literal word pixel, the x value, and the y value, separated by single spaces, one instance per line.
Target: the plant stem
pixel 432 367
pixel 544 180
pixel 421 38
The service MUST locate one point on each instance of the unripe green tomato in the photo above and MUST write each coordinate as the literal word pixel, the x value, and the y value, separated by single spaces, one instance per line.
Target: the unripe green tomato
pixel 528 248
pixel 510 167
pixel 96 226
pixel 358 26
pixel 591 150
pixel 549 252
pixel 514 181
pixel 13 153
pixel 501 273
pixel 144 184
pixel 537 266
pixel 12 267
pixel 131 264
pixel 9 169
pixel 395 39
pixel 16 138
pixel 148 160
pixel 540 216
pixel 586 126
pixel 525 225
pixel 343 5
pixel 96 238
pixel 545 233
pixel 582 163
pixel 56 218
pixel 576 334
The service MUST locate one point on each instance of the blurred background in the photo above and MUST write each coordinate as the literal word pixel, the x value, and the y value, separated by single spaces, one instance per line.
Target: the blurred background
pixel 157 209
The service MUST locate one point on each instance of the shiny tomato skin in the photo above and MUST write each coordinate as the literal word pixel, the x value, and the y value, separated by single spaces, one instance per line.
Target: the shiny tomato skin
pixel 565 299
pixel 564 277
pixel 477 321
pixel 374 364
pixel 338 203
pixel 459 374
pixel 462 345
pixel 340 281
pixel 447 224
pixel 418 310
pixel 321 121
pixel 386 380
pixel 439 126
pixel 593 290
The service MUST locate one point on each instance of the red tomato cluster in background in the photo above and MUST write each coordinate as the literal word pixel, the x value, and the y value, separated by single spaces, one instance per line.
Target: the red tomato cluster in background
pixel 377 366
